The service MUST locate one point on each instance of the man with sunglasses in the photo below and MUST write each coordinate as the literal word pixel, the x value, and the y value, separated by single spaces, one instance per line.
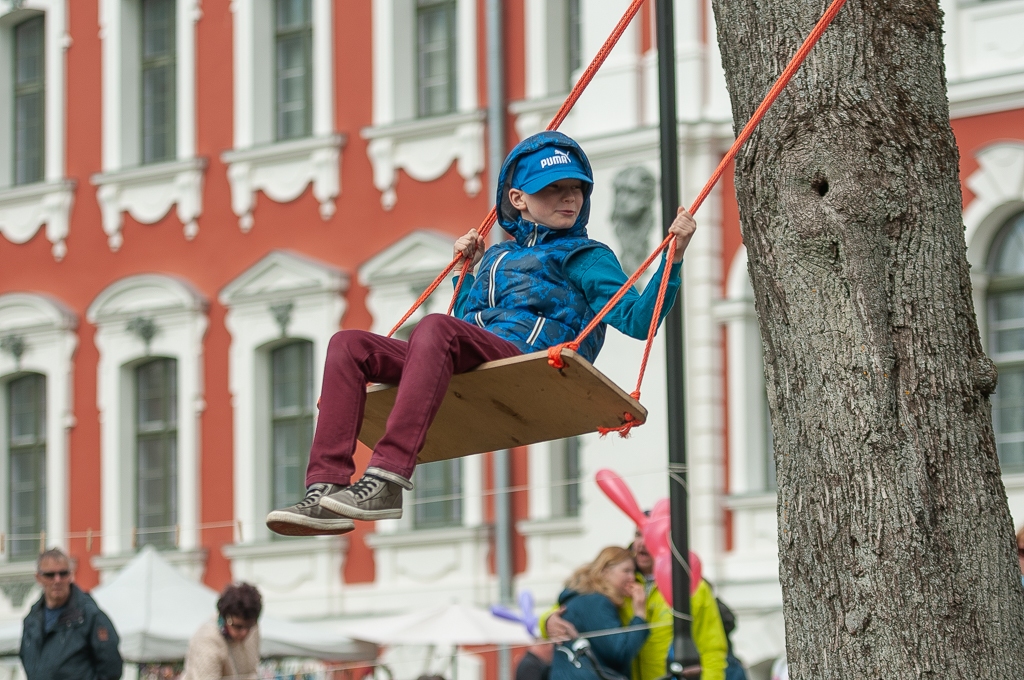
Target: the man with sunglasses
pixel 65 635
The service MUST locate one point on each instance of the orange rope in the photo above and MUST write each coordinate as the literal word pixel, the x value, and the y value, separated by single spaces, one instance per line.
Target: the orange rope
pixel 554 357
pixel 554 352
pixel 563 111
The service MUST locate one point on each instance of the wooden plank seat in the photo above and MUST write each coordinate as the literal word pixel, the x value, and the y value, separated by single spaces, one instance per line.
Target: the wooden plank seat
pixel 511 402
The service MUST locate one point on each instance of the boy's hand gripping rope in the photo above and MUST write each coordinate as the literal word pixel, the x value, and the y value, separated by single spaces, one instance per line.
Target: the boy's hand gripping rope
pixel 554 353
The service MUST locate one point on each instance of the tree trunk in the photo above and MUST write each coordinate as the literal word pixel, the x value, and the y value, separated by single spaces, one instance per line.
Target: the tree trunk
pixel 895 541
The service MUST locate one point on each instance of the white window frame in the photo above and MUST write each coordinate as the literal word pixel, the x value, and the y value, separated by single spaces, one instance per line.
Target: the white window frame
pixel 281 170
pixel 284 296
pixel 178 312
pixel 998 188
pixel 748 441
pixel 47 329
pixel 424 148
pixel 750 500
pixel 147 193
pixel 24 210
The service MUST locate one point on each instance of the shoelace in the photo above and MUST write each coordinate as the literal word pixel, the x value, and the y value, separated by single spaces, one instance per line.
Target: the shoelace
pixel 313 495
pixel 364 487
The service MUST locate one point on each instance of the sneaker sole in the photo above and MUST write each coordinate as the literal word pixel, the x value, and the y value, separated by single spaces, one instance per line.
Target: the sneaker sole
pixel 290 524
pixel 355 513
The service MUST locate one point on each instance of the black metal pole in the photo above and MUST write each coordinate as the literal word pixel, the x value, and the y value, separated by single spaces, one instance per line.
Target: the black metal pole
pixel 685 654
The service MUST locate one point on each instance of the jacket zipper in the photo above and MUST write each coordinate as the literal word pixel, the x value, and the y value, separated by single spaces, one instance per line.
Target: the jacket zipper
pixel 536 330
pixel 491 279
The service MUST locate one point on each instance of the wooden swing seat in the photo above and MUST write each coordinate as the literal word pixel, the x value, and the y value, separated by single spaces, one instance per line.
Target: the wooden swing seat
pixel 511 402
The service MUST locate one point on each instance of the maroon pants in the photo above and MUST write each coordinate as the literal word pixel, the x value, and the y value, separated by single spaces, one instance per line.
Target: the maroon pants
pixel 439 347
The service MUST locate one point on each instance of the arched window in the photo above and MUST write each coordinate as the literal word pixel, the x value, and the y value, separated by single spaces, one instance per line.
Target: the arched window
pixel 26 451
pixel 292 412
pixel 1006 341
pixel 156 452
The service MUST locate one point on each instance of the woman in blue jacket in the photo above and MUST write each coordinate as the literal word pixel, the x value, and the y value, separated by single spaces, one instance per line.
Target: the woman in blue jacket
pixel 591 602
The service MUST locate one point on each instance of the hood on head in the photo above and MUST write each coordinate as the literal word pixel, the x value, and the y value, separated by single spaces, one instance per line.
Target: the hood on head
pixel 508 216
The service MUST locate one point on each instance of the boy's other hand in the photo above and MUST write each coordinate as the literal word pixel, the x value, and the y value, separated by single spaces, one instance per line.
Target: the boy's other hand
pixel 682 228
pixel 471 246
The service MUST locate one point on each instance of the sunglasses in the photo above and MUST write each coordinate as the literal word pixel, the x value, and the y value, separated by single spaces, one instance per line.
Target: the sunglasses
pixel 50 575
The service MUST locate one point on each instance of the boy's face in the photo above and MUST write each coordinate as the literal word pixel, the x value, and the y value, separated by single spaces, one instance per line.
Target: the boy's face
pixel 556 206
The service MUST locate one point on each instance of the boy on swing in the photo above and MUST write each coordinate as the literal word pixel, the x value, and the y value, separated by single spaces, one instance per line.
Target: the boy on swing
pixel 535 291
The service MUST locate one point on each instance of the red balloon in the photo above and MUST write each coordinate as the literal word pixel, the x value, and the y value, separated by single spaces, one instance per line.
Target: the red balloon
pixel 619 493
pixel 656 529
pixel 663 575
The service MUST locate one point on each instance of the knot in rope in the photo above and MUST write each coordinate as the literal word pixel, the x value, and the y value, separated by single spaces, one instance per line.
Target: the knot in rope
pixel 623 429
pixel 555 353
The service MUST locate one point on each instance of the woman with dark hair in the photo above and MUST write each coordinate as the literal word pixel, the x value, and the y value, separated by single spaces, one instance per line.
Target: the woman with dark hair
pixel 229 647
pixel 591 600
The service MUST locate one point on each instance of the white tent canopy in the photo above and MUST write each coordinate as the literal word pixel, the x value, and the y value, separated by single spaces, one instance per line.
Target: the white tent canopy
pixel 156 611
pixel 456 624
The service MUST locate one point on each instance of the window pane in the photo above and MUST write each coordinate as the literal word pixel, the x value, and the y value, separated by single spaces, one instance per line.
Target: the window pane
pixel 565 478
pixel 441 480
pixel 27 400
pixel 294 44
pixel 156 452
pixel 1008 418
pixel 1007 255
pixel 293 14
pixel 158 80
pixel 436 52
pixel 29 101
pixel 26 446
pixel 293 409
pixel 574 41
pixel 157 28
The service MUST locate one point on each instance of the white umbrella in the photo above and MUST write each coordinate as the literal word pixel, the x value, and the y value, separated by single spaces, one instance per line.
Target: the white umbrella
pixel 455 624
pixel 10 638
pixel 156 611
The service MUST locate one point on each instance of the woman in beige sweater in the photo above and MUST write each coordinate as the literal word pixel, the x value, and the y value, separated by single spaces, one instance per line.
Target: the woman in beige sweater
pixel 229 647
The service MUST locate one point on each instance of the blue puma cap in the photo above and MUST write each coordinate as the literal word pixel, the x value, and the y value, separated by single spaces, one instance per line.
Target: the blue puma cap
pixel 546 165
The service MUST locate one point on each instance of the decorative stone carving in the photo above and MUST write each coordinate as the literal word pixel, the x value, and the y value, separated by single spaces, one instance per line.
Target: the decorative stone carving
pixel 24 211
pixel 398 274
pixel 633 214
pixel 283 315
pixel 148 193
pixel 17 590
pixel 282 172
pixel 14 345
pixel 425 149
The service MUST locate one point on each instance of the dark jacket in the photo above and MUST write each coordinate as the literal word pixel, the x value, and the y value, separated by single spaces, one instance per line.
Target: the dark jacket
pixel 81 646
pixel 595 612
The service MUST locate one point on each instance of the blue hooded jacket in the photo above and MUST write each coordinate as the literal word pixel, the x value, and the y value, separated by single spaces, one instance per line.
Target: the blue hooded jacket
pixel 544 286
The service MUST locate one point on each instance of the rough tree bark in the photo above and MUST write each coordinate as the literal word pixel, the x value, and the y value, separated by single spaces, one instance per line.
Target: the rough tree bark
pixel 896 544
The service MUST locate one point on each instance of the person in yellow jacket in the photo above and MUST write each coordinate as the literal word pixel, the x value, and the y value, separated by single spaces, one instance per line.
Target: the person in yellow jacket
pixel 708 632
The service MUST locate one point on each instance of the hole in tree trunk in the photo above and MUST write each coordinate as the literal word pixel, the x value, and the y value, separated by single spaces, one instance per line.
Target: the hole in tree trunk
pixel 820 184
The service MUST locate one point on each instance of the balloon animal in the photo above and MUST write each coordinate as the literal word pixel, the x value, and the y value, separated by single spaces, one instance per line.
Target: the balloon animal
pixel 655 529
